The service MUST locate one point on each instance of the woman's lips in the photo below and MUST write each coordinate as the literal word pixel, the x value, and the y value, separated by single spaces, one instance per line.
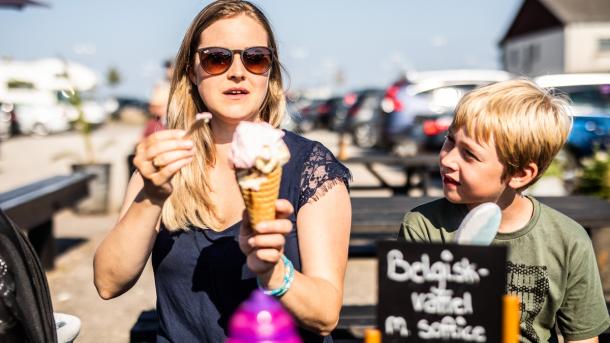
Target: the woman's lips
pixel 236 93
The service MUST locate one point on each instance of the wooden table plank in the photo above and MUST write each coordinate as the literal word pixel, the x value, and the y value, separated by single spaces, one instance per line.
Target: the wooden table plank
pixel 422 160
pixel 385 214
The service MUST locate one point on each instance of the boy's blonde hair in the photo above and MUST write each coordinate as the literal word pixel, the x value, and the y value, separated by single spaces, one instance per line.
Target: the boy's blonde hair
pixel 527 123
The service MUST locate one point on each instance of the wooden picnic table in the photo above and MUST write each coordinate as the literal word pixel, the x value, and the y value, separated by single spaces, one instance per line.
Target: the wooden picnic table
pixel 376 218
pixel 420 165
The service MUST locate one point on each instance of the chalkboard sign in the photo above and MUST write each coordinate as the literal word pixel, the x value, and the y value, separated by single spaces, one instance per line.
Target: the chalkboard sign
pixel 440 293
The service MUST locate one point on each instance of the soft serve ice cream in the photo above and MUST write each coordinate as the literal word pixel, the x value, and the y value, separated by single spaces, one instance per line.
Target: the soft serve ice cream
pixel 258 153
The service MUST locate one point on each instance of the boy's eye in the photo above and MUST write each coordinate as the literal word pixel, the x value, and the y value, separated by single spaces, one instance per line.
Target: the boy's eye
pixel 469 154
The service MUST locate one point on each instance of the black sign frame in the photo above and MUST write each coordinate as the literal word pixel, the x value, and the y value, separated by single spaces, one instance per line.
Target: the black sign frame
pixel 440 293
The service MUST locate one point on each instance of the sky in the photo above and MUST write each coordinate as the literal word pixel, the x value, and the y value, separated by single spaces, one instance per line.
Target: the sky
pixel 368 43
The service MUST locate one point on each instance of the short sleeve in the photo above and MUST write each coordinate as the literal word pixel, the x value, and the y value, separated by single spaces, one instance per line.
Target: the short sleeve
pixel 412 229
pixel 321 172
pixel 583 312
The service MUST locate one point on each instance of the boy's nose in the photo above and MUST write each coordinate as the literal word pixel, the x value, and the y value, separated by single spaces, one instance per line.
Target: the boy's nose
pixel 447 160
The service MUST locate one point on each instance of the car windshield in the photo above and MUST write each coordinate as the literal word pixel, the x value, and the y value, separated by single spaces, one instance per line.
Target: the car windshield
pixel 589 99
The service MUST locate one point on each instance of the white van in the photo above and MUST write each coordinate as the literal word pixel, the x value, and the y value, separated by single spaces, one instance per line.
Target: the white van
pixel 40 91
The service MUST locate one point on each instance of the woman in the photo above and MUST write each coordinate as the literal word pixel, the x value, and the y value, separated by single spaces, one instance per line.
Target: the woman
pixel 184 206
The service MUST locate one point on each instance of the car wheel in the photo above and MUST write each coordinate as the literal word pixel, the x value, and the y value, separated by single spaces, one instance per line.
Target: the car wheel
pixel 40 130
pixel 365 135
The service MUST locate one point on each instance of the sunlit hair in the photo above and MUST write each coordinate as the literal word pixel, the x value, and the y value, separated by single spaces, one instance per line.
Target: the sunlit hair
pixel 190 201
pixel 527 123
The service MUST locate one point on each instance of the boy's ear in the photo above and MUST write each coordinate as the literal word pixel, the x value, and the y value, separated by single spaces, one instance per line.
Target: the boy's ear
pixel 524 176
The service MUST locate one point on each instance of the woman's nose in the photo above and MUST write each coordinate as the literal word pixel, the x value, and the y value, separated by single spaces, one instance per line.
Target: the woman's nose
pixel 237 71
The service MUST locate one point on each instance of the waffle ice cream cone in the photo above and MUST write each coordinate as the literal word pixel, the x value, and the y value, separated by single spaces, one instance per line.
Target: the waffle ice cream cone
pixel 258 153
pixel 260 203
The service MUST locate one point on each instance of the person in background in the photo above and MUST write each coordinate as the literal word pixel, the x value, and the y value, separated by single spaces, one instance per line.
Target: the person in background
pixel 183 205
pixel 502 139
pixel 158 101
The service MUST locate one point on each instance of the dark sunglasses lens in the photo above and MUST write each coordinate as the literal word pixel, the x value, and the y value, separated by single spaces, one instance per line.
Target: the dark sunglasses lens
pixel 216 61
pixel 257 60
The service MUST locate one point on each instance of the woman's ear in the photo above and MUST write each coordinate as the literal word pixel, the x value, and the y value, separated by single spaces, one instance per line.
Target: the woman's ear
pixel 190 72
pixel 524 176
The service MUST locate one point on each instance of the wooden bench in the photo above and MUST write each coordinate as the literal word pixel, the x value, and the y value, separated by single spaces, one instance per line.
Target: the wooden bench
pixel 377 218
pixel 32 207
pixel 420 165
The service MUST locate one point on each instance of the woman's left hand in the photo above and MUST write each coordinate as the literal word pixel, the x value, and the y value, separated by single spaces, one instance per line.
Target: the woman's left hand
pixel 265 247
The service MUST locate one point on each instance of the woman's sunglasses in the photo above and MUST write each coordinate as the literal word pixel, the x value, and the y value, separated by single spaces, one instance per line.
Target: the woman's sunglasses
pixel 215 60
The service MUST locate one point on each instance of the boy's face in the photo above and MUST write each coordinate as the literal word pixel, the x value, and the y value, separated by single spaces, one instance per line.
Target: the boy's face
pixel 471 171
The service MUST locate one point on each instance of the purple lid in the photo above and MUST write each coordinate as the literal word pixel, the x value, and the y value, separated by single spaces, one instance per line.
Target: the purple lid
pixel 262 318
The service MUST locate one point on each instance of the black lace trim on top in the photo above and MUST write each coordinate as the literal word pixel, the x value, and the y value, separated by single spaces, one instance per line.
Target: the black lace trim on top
pixel 321 172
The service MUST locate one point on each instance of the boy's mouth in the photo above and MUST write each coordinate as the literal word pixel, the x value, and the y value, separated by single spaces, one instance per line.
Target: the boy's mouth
pixel 449 180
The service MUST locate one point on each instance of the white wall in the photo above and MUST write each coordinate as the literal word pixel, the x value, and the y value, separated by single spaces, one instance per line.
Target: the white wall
pixel 535 54
pixel 583 52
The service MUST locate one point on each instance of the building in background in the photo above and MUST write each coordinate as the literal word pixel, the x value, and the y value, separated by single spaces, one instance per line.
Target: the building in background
pixel 558 36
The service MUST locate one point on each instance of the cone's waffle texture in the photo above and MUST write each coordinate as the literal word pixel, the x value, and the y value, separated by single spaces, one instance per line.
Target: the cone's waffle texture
pixel 260 204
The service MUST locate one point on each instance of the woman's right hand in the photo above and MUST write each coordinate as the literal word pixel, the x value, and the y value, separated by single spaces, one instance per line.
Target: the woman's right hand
pixel 159 157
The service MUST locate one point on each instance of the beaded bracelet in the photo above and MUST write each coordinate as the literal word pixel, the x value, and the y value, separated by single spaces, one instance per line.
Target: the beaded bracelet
pixel 288 278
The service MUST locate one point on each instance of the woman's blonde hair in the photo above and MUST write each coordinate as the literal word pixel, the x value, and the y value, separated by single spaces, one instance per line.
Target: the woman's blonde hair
pixel 190 201
pixel 527 123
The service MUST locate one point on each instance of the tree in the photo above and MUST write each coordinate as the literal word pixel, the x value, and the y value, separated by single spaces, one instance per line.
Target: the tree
pixel 113 77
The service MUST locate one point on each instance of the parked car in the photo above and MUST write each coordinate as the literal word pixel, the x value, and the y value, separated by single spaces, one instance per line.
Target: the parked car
pixel 417 107
pixel 339 117
pixel 590 100
pixel 590 106
pixel 364 118
pixel 8 121
pixel 129 104
pixel 41 120
pixel 309 114
pixel 40 92
pixel 331 109
pixel 292 117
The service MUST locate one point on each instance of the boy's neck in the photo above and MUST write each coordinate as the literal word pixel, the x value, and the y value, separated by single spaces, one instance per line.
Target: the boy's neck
pixel 517 210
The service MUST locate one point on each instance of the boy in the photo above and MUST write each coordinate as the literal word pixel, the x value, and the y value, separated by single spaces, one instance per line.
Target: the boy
pixel 501 140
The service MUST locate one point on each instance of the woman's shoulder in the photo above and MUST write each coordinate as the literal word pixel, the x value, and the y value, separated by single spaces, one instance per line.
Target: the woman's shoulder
pixel 296 142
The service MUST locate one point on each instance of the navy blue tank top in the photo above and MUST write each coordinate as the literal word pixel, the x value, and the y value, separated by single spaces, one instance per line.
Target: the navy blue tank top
pixel 201 275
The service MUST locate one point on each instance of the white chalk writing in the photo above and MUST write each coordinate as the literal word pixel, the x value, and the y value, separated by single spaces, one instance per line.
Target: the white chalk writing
pixel 440 301
pixel 396 324
pixel 451 328
pixel 462 271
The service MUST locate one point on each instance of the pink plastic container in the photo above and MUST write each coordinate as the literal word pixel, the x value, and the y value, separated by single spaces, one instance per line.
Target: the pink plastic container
pixel 262 319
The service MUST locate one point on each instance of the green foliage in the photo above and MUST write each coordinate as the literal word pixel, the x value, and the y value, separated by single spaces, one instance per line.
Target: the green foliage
pixel 595 178
pixel 555 169
pixel 113 77
pixel 19 84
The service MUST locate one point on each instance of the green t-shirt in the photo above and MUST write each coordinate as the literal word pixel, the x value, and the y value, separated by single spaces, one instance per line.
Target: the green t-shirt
pixel 551 267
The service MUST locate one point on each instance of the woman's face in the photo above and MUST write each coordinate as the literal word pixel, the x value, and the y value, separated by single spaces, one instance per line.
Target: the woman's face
pixel 236 94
